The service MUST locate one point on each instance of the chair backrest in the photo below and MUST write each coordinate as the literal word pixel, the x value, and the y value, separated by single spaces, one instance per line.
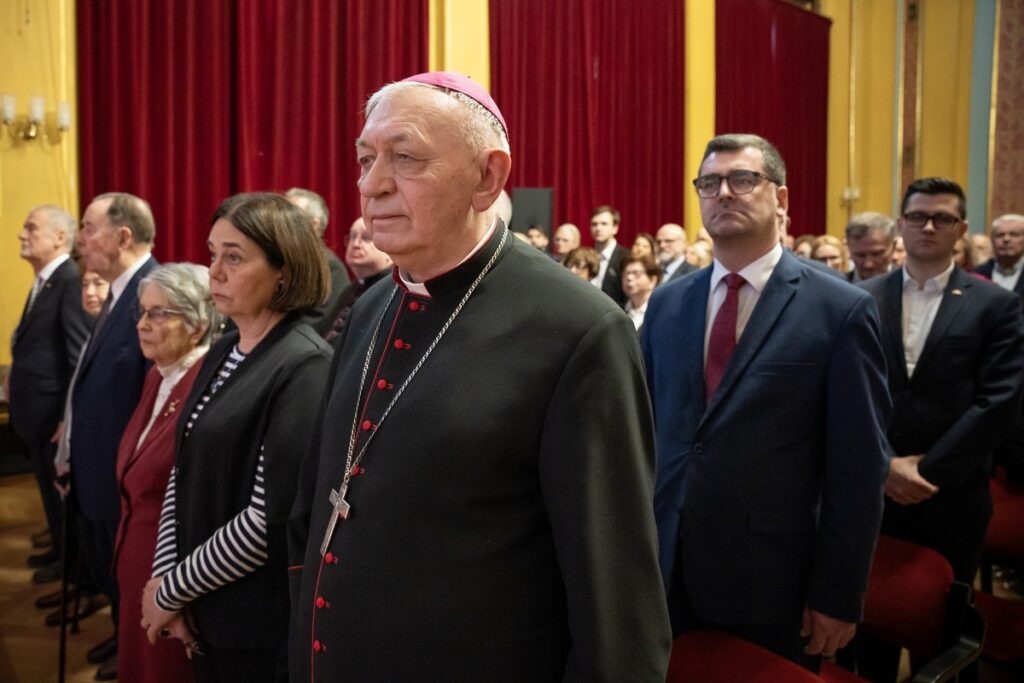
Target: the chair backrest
pixel 907 597
pixel 706 656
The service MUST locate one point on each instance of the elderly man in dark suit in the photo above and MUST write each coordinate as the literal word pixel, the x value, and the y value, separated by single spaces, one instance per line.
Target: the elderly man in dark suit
pixel 770 406
pixel 671 239
pixel 115 241
pixel 44 351
pixel 313 205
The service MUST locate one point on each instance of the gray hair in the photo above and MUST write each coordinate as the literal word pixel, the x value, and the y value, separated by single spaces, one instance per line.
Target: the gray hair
pixel 480 127
pixel 132 212
pixel 187 287
pixel 60 220
pixel 1009 218
pixel 774 166
pixel 863 224
pixel 313 204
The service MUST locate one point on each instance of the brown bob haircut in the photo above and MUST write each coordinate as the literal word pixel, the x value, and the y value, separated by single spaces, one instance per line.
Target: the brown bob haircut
pixel 281 231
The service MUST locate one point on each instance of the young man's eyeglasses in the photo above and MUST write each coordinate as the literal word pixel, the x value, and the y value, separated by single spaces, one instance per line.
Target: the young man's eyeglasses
pixel 919 219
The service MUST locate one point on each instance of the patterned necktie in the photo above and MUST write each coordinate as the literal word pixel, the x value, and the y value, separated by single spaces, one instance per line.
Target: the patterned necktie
pixel 723 336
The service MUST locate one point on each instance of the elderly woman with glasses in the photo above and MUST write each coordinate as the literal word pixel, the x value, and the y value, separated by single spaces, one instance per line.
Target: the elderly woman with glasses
pixel 176 322
pixel 221 554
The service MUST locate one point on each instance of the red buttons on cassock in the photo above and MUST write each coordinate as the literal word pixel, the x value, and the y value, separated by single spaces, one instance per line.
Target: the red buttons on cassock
pixel 357 470
pixel 367 425
pixel 320 602
pixel 399 343
pixel 329 558
pixel 382 384
pixel 414 305
pixel 317 646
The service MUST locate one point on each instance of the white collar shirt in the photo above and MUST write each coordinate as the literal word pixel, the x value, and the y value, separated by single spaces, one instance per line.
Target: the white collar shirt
pixel 606 258
pixel 920 306
pixel 756 274
pixel 1008 278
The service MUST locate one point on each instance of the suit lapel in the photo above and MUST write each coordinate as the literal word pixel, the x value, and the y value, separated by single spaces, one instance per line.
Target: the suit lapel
pixel 693 312
pixel 953 297
pixel 122 308
pixel 780 289
pixel 42 300
pixel 890 308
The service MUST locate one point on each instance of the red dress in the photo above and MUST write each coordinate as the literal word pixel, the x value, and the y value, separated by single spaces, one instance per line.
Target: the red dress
pixel 142 474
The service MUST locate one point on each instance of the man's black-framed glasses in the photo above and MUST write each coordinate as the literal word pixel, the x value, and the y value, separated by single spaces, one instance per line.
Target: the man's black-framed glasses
pixel 919 219
pixel 740 182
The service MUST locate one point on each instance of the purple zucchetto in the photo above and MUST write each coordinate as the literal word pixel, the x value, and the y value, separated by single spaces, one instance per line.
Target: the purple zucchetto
pixel 464 84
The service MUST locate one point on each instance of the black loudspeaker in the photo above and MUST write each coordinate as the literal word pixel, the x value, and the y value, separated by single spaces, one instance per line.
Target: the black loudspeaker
pixel 531 206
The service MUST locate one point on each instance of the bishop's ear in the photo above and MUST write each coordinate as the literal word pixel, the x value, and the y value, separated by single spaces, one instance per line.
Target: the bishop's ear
pixel 495 165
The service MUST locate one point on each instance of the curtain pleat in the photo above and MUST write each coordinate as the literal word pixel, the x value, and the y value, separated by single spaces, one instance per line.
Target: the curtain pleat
pixel 185 102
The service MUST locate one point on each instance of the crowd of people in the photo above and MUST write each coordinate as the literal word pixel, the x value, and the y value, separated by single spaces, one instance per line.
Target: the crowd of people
pixel 441 470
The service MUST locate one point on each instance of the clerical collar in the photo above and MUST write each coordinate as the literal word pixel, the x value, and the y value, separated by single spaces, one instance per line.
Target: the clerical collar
pixel 459 276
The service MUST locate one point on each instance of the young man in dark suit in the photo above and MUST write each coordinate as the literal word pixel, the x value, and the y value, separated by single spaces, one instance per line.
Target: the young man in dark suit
pixel 44 351
pixel 115 241
pixel 768 383
pixel 604 225
pixel 954 347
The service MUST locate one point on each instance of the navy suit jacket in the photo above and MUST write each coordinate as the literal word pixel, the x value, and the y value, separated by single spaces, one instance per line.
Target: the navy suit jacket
pixel 45 349
pixel 964 394
pixel 107 389
pixel 769 493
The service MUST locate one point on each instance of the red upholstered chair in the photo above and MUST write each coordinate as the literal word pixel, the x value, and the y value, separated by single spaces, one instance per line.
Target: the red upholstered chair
pixel 1004 542
pixel 1004 638
pixel 705 656
pixel 913 602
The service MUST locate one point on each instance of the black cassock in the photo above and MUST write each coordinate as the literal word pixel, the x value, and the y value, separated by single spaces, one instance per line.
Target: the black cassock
pixel 501 524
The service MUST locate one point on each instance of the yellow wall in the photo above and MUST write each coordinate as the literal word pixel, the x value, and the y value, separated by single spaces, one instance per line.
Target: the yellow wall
pixel 838 176
pixel 37 50
pixel 699 102
pixel 459 38
pixel 946 41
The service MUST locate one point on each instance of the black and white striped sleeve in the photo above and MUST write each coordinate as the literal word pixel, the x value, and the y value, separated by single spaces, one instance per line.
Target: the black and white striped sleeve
pixel 234 550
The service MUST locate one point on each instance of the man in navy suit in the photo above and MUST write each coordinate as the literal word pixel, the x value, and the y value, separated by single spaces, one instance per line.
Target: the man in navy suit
pixel 45 348
pixel 955 351
pixel 768 383
pixel 115 241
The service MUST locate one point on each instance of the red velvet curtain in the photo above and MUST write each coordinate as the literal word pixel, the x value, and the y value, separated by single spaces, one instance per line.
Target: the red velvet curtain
pixel 772 79
pixel 593 96
pixel 184 102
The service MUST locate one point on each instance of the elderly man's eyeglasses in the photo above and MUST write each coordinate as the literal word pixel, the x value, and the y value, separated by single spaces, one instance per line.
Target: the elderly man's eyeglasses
pixel 919 219
pixel 740 182
pixel 157 314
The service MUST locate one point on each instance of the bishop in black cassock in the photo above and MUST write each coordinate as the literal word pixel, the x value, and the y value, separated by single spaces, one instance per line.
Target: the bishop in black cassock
pixel 496 522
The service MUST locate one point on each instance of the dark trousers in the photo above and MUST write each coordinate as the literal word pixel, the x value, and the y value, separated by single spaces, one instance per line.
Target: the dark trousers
pixel 41 453
pixel 97 542
pixel 783 639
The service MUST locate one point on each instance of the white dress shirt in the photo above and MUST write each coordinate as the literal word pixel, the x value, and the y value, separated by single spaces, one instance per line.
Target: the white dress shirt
pixel 756 274
pixel 920 305
pixel 1007 279
pixel 606 258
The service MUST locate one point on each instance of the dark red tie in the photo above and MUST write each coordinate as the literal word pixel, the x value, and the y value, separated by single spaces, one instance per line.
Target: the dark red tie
pixel 723 336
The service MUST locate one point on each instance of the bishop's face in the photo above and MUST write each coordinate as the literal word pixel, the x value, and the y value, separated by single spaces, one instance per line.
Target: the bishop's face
pixel 418 176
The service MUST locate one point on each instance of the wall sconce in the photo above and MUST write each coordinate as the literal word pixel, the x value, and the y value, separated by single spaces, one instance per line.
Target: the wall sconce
pixel 33 126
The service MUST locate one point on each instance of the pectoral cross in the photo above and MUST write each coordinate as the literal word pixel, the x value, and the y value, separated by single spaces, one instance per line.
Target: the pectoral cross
pixel 341 508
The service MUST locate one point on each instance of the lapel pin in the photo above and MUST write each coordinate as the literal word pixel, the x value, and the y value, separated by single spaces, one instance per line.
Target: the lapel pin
pixel 956 292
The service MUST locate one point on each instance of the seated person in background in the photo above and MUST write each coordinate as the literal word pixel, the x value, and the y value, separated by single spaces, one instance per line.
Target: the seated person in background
pixel 640 275
pixel 644 245
pixel 829 250
pixel 368 263
pixel 899 252
pixel 94 292
pixel 699 254
pixel 672 252
pixel 982 247
pixel 567 238
pixel 804 245
pixel 538 236
pixel 869 240
pixel 963 254
pixel 583 261
pixel 176 321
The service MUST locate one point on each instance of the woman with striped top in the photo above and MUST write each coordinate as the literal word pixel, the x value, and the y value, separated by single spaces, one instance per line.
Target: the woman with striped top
pixel 220 561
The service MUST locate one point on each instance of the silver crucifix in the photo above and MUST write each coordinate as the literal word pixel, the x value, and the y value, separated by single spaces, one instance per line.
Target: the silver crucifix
pixel 341 508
